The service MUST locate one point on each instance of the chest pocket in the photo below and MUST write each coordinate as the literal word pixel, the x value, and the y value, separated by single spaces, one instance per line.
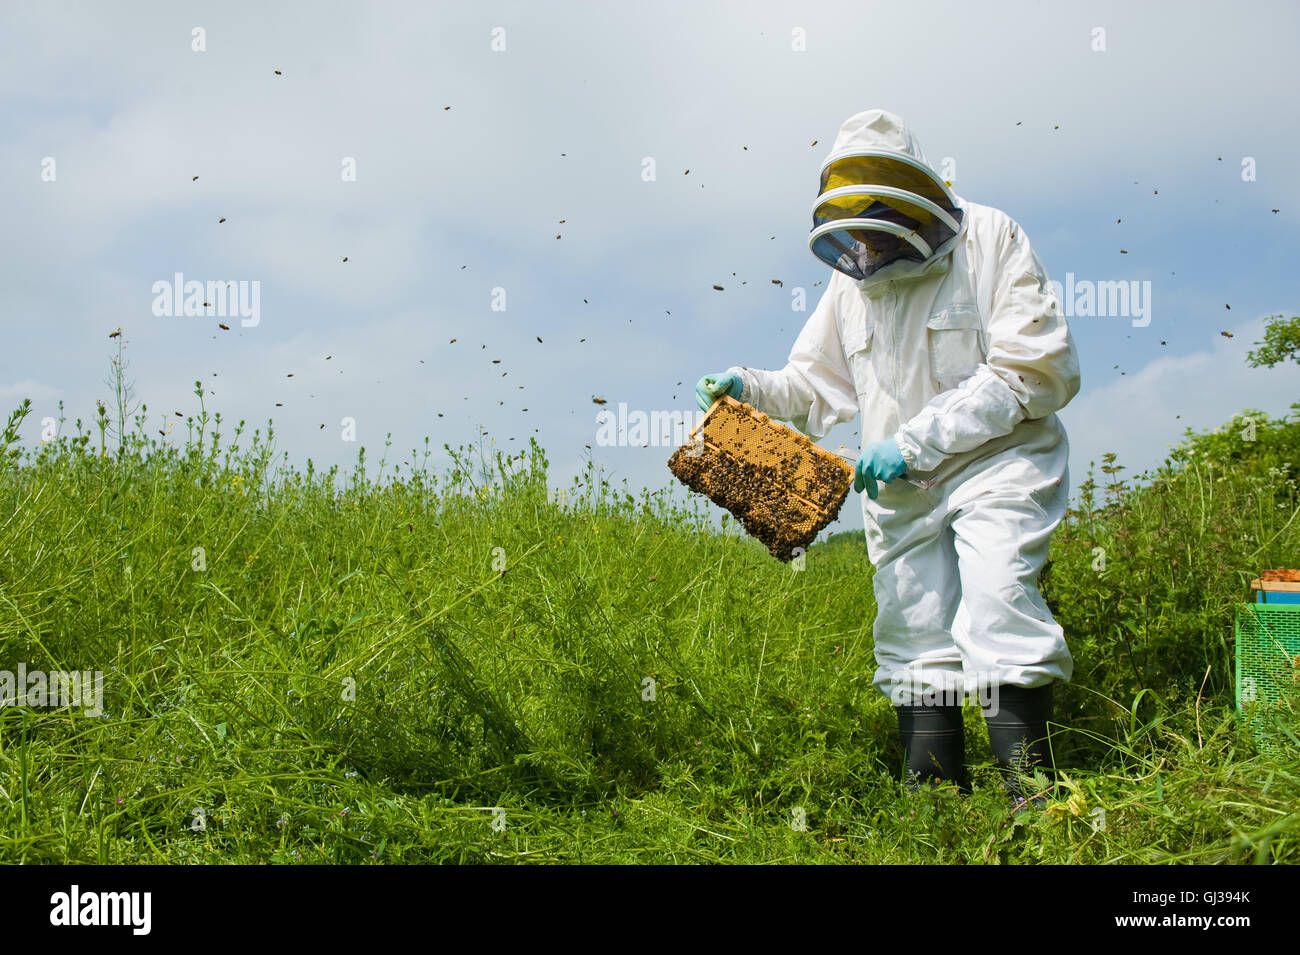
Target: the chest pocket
pixel 857 334
pixel 957 344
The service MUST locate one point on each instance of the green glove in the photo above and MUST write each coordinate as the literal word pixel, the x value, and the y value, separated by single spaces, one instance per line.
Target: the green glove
pixel 709 388
pixel 881 461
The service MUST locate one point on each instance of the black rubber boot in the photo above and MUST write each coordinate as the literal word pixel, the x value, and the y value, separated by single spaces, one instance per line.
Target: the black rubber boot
pixel 935 746
pixel 1017 722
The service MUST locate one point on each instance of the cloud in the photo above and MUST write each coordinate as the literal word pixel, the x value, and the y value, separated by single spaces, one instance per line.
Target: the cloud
pixel 1144 414
pixel 12 395
pixel 557 127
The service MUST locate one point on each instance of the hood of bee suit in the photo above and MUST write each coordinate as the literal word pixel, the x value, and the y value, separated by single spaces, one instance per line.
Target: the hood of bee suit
pixel 882 212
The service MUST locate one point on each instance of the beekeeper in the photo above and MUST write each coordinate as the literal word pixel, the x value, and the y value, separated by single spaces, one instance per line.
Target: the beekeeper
pixel 938 325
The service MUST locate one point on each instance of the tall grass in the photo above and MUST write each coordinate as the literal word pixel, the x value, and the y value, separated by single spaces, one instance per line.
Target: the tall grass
pixel 471 665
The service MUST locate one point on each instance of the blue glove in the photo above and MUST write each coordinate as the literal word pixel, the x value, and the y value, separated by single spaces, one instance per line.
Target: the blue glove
pixel 708 388
pixel 880 461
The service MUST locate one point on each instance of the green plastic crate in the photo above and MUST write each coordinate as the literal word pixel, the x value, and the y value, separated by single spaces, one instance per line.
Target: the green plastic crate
pixel 1268 672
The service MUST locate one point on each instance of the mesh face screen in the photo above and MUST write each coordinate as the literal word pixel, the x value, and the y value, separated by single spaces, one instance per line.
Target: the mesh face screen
pixel 876 192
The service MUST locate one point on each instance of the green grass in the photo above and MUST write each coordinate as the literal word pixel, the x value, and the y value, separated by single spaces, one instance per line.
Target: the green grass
pixel 451 667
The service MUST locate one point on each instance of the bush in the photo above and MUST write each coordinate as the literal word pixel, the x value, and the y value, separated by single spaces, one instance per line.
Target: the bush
pixel 1145 580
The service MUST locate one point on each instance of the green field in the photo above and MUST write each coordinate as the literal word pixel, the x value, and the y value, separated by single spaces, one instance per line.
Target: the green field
pixel 404 666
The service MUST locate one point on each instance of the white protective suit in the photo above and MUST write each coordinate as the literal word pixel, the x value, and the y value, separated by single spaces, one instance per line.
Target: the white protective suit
pixel 962 359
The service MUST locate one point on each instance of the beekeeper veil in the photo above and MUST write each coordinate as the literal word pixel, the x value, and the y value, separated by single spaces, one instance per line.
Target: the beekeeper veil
pixel 879 201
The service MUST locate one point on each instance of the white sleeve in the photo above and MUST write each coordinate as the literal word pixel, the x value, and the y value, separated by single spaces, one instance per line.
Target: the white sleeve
pixel 815 390
pixel 1030 371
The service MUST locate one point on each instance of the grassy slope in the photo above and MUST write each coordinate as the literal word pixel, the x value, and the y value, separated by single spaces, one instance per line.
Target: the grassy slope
pixel 228 734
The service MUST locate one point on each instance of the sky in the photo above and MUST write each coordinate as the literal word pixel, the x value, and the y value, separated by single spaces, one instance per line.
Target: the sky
pixel 413 194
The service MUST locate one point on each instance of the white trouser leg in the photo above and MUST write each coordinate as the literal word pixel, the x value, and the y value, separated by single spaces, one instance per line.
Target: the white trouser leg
pixel 916 585
pixel 957 565
pixel 1006 634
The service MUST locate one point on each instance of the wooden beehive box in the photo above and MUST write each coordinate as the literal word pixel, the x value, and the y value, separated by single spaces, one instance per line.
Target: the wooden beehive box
pixel 1280 586
pixel 781 486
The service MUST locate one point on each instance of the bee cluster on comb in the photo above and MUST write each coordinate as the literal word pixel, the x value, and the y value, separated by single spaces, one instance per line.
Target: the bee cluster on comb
pixel 778 484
